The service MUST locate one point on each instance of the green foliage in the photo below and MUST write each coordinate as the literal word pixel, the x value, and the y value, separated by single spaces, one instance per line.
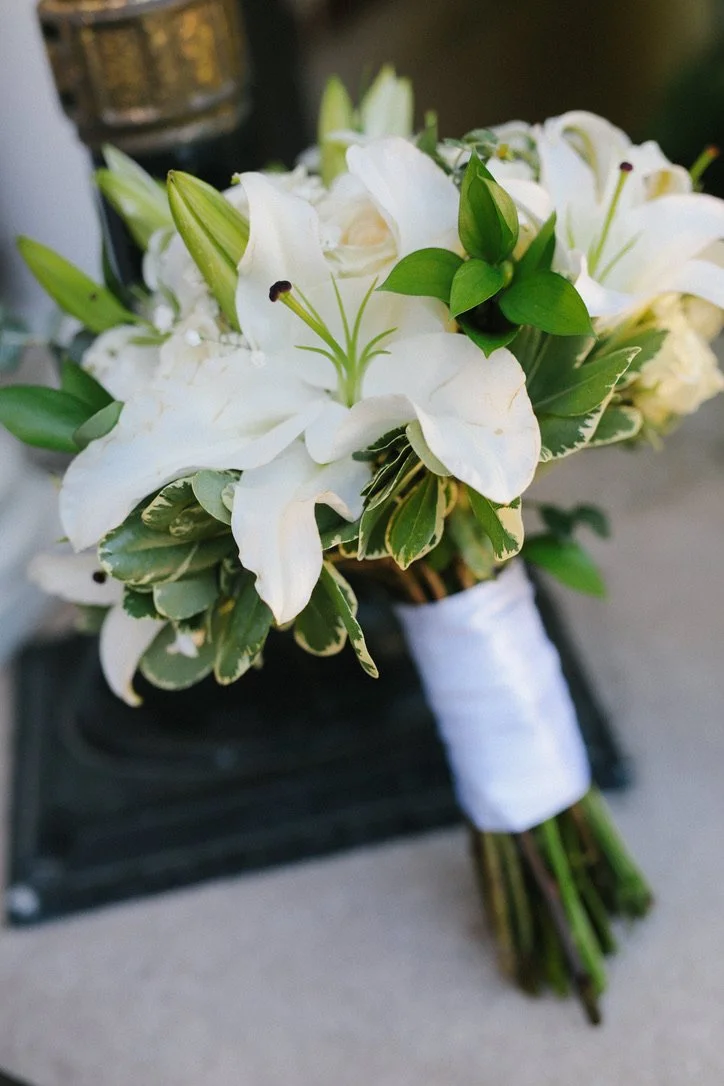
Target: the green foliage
pixel 139 199
pixel 174 670
pixel 187 597
pixel 140 555
pixel 566 560
pixel 472 542
pixel 617 423
pixel 214 233
pixel 547 301
pixel 240 626
pixel 344 602
pixel 319 628
pixel 46 418
pixel 79 383
pixel 426 272
pixel 414 434
pixel 139 604
pixel 583 388
pixel 503 524
pixel 336 114
pixel 539 254
pixel 89 302
pixel 417 522
pixel 14 337
pixel 475 281
pixel 208 488
pixel 563 522
pixel 488 219
pixel 98 425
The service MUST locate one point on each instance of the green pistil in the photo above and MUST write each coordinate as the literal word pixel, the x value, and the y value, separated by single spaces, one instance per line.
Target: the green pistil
pixel 349 362
pixel 595 254
pixel 703 162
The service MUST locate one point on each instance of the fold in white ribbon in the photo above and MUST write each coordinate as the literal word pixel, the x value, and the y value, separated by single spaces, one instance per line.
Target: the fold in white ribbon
pixel 494 682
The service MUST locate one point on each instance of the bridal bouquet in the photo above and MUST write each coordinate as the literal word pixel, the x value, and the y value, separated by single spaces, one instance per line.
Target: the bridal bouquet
pixel 356 369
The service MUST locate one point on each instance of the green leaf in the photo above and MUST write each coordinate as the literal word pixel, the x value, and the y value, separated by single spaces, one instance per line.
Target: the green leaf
pixel 417 523
pixel 548 301
pixel 208 487
pixel 472 542
pixel 567 561
pixel 649 342
pixel 474 282
pixel 584 388
pixel 489 341
pixel 44 417
pixel 371 541
pixel 563 522
pixel 137 197
pixel 182 599
pixel 336 114
pixel 594 518
pixel 392 437
pixel 214 233
pixel 420 446
pixel 173 670
pixel 562 436
pixel 503 524
pixel 335 530
pixel 344 602
pixel 488 219
pixel 73 290
pixel 139 604
pixel 539 254
pixel 427 273
pixel 392 478
pixel 140 555
pixel 79 383
pixel 240 632
pixel 319 629
pixel 167 504
pixel 193 523
pixel 617 424
pixel 98 425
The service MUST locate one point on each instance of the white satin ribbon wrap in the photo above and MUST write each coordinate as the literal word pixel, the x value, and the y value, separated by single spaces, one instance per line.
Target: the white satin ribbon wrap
pixel 494 682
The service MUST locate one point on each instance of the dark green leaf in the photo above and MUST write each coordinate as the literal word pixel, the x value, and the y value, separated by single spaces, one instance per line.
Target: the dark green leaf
pixel 567 561
pixel 562 436
pixel 73 290
pixel 240 632
pixel 140 555
pixel 474 282
pixel 44 417
pixel 503 524
pixel 539 254
pixel 584 388
pixel 417 523
pixel 617 424
pixel 191 596
pixel 387 441
pixel 594 518
pixel 319 629
pixel 345 603
pixel 548 301
pixel 427 272
pixel 489 341
pixel 394 478
pixel 139 604
pixel 371 542
pixel 488 219
pixel 98 425
pixel 79 383
pixel 174 670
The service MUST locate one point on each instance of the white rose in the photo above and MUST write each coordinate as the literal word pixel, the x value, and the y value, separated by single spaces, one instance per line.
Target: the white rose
pixel 685 372
pixel 355 237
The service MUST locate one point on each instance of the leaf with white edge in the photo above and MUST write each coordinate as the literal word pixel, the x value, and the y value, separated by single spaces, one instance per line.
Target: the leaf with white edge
pixel 191 596
pixel 547 301
pixel 371 540
pixel 393 479
pixel 319 629
pixel 345 532
pixel 427 273
pixel 472 543
pixel 208 488
pixel 503 524
pixel 241 630
pixel 89 302
pixel 539 254
pixel 617 424
pixel 392 437
pixel 79 383
pixel 562 436
pixel 167 504
pixel 194 523
pixel 417 523
pixel 98 425
pixel 566 560
pixel 588 386
pixel 552 361
pixel 169 669
pixel 140 555
pixel 139 604
pixel 649 342
pixel 345 603
pixel 43 417
pixel 488 219
pixel 474 283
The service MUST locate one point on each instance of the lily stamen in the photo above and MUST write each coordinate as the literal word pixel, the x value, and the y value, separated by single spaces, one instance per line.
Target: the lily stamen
pixel 595 255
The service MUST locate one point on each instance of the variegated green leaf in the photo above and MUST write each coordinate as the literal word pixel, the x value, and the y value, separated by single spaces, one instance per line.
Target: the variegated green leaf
pixel 208 488
pixel 319 629
pixel 503 524
pixel 345 603
pixel 183 599
pixel 164 666
pixel 417 523
pixel 240 631
pixel 617 424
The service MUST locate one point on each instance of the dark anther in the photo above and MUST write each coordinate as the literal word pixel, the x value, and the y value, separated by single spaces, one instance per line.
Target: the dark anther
pixel 625 167
pixel 100 577
pixel 282 287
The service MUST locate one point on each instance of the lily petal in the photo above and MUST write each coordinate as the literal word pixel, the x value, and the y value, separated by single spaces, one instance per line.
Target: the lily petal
pixel 122 366
pixel 123 642
pixel 701 278
pixel 274 524
pixel 418 199
pixel 77 578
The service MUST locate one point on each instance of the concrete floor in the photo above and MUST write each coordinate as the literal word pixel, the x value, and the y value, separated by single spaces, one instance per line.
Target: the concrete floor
pixel 372 968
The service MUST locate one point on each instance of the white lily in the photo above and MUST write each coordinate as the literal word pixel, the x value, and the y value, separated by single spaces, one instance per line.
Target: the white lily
pixel 377 360
pixel 79 579
pixel 629 218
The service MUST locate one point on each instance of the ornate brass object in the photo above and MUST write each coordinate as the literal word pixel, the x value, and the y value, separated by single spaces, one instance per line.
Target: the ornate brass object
pixel 146 75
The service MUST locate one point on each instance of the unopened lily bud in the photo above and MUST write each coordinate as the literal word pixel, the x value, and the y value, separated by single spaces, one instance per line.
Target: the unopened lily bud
pixel 214 233
pixel 387 107
pixel 139 199
pixel 336 114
